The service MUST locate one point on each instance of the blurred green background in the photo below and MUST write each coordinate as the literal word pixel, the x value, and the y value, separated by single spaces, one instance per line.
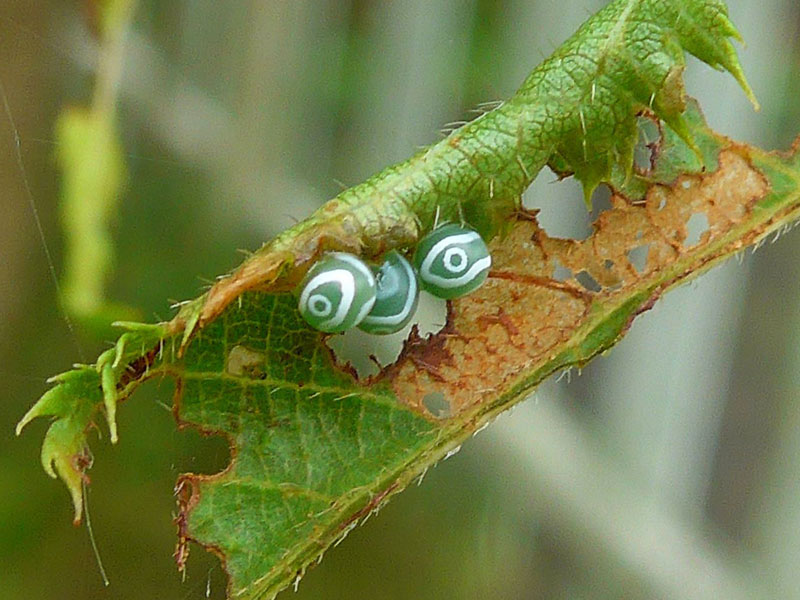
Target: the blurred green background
pixel 668 469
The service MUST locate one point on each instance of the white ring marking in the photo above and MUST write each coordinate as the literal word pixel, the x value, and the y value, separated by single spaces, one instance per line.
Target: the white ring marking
pixel 326 305
pixel 475 270
pixel 451 253
pixel 347 285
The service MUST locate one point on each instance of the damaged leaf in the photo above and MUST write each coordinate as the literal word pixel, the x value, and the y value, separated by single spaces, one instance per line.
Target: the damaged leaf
pixel 315 450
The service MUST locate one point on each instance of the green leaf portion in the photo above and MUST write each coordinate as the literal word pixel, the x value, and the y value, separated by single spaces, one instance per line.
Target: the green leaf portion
pixel 676 156
pixel 626 59
pixel 312 446
pixel 783 176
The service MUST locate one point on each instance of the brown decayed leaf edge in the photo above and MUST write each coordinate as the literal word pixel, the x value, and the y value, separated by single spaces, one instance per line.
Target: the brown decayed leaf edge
pixel 522 317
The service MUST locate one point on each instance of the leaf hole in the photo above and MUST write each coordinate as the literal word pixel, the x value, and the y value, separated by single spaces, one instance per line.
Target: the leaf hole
pixel 696 226
pixel 437 404
pixel 562 212
pixel 588 282
pixel 560 272
pixel 601 202
pixel 169 453
pixel 368 354
pixel 638 257
pixel 646 148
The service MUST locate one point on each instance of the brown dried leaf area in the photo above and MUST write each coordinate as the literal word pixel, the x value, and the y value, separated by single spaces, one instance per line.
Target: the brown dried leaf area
pixel 526 314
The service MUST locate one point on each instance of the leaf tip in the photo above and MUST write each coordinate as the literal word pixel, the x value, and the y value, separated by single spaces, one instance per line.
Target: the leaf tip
pixel 588 191
pixel 27 418
pixel 190 316
pixel 736 70
pixel 61 459
pixel 732 63
pixel 749 93
pixel 48 405
pixel 109 384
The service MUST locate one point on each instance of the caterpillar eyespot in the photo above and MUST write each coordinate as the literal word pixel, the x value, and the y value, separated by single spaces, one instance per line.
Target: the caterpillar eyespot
pixel 337 293
pixel 397 296
pixel 452 261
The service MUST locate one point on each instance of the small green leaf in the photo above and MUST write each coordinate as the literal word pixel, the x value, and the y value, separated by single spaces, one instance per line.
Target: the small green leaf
pixel 72 402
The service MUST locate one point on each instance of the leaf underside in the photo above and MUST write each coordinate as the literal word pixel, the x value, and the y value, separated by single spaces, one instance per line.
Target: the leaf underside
pixel 315 450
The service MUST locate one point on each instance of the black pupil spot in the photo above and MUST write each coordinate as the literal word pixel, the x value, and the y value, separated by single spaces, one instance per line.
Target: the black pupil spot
pixel 456 260
pixel 319 305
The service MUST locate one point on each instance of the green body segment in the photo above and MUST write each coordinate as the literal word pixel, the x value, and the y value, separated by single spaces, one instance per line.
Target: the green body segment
pixel 452 261
pixel 397 296
pixel 337 293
